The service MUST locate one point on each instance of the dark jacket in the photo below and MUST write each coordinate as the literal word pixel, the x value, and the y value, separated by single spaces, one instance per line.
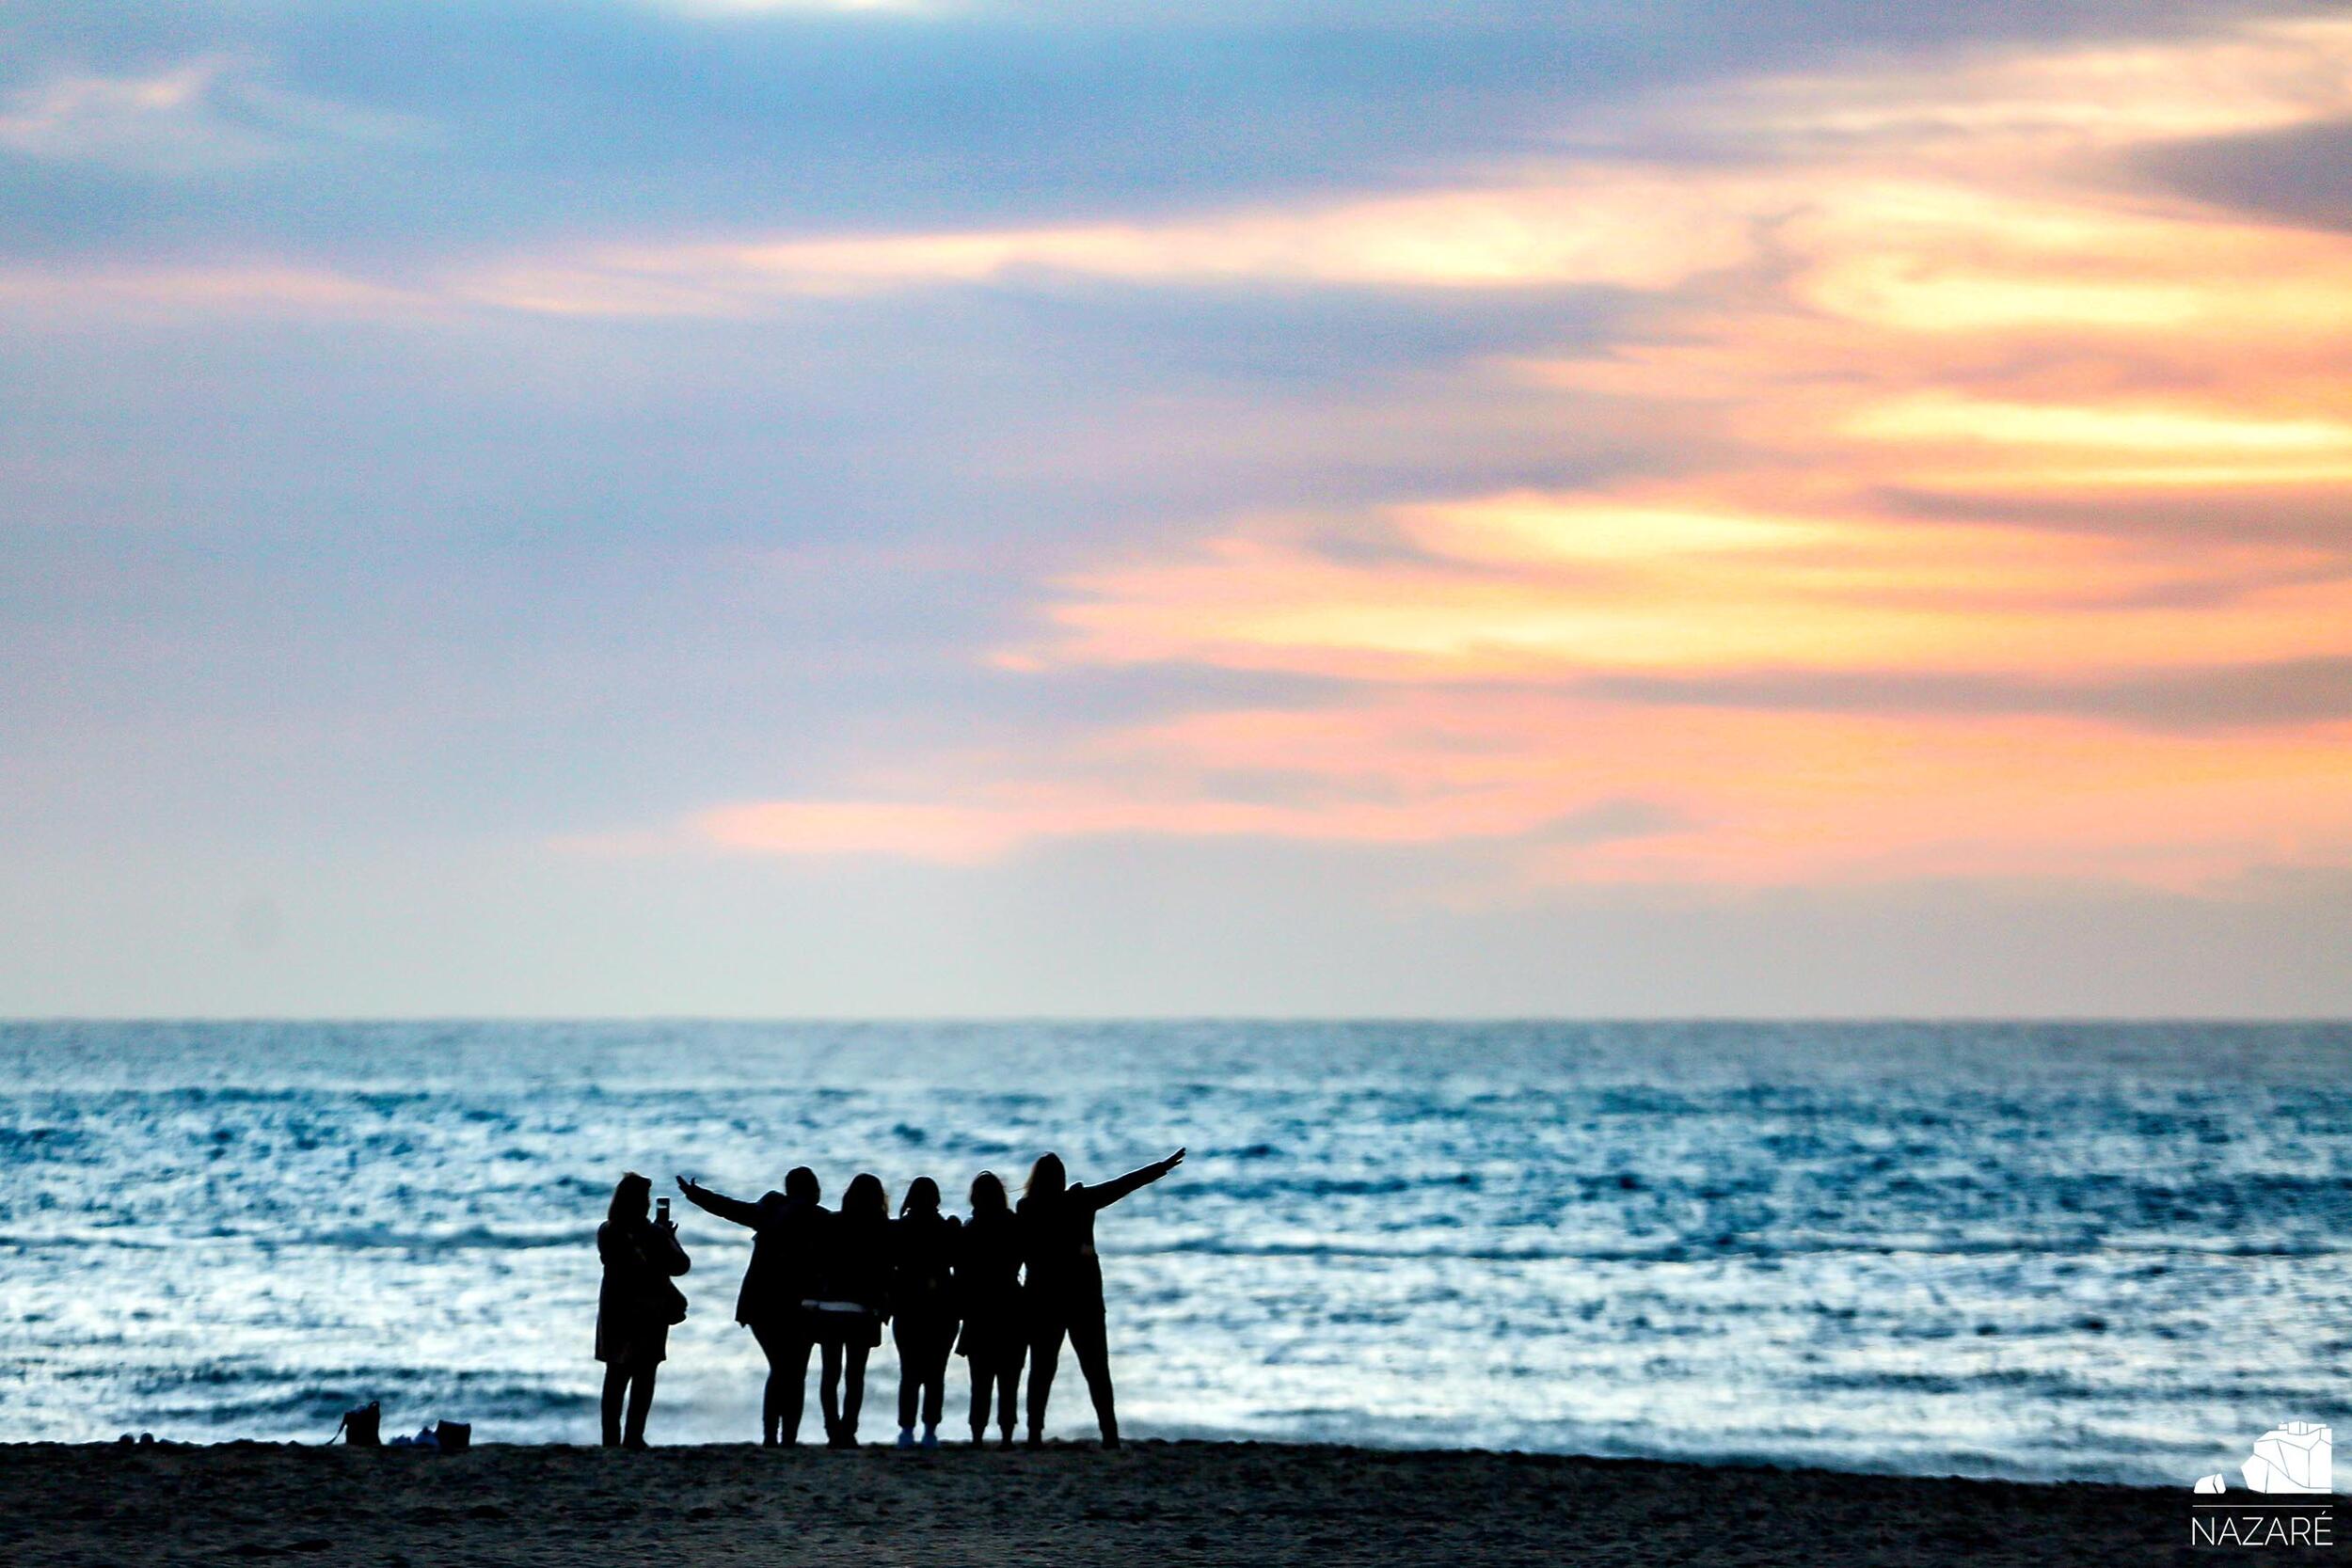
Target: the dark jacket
pixel 787 1250
pixel 923 1266
pixel 857 1263
pixel 988 1286
pixel 1058 1236
pixel 632 1308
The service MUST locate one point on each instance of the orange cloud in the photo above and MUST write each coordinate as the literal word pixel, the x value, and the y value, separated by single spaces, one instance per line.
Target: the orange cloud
pixel 1527 586
pixel 1595 791
pixel 1092 801
pixel 1929 314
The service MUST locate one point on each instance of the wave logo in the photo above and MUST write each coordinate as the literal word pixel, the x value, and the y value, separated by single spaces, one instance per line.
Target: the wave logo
pixel 2294 1460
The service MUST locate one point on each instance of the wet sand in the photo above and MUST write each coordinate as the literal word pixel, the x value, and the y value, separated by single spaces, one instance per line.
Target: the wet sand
pixel 1152 1504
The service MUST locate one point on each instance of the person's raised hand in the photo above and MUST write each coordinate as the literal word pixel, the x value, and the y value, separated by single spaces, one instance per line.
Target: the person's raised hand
pixel 1173 1160
pixel 684 1186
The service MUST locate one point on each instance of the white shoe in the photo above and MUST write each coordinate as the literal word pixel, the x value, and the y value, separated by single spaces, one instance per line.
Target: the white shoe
pixel 906 1437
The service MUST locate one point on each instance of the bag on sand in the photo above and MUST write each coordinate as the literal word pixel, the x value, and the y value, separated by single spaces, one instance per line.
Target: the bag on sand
pixel 455 1436
pixel 363 1427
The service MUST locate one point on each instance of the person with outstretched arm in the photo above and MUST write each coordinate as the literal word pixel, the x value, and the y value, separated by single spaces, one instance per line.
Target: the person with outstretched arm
pixel 1065 1282
pixel 788 1238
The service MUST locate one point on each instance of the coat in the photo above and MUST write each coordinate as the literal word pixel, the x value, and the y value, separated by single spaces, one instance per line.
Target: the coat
pixel 632 1308
pixel 987 1289
pixel 788 1242
pixel 923 1267
pixel 856 1269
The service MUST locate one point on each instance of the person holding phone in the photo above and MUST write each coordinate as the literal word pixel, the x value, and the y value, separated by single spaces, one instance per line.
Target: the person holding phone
pixel 635 1306
pixel 1065 1285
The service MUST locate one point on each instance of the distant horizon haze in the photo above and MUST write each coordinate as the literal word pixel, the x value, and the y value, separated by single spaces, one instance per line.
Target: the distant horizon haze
pixel 1791 1021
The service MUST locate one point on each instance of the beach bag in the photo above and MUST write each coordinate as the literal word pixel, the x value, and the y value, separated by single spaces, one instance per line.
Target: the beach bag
pixel 363 1427
pixel 455 1436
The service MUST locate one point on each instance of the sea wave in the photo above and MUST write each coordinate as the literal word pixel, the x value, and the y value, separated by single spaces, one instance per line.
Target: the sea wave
pixel 2044 1251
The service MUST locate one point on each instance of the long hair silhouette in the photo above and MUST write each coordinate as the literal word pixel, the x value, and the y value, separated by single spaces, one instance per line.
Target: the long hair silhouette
pixel 1047 1178
pixel 630 1196
pixel 987 1195
pixel 923 1317
pixel 856 1301
pixel 1063 1296
pixel 995 1338
pixel 922 1197
pixel 865 1198
pixel 635 1306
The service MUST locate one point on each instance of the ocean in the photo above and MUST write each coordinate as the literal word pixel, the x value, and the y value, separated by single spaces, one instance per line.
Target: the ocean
pixel 2038 1251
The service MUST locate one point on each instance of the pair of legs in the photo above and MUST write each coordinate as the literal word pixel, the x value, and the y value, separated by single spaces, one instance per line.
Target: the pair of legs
pixel 1082 1322
pixel 924 1346
pixel 1000 1375
pixel 629 1383
pixel 786 1349
pixel 841 1389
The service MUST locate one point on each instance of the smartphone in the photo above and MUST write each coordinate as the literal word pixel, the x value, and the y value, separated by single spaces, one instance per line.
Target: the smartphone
pixel 661 1211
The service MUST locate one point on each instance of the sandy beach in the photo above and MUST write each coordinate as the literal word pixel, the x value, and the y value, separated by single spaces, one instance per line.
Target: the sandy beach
pixel 1153 1503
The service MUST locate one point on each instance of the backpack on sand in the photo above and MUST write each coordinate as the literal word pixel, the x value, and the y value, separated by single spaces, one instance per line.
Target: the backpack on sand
pixel 363 1427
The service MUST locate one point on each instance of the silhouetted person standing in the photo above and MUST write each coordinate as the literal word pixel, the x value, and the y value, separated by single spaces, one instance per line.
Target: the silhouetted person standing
pixel 787 1243
pixel 853 1298
pixel 1065 1290
pixel 635 1306
pixel 988 1291
pixel 923 1307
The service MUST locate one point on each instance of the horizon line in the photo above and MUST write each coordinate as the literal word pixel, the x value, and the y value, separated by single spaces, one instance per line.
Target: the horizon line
pixel 2110 1020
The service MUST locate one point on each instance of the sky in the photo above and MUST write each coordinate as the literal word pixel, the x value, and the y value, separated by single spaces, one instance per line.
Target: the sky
pixel 1696 507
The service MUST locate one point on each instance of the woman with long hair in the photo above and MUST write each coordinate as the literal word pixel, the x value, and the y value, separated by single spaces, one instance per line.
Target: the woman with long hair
pixel 922 1307
pixel 635 1306
pixel 787 1232
pixel 987 1289
pixel 852 1302
pixel 1065 1291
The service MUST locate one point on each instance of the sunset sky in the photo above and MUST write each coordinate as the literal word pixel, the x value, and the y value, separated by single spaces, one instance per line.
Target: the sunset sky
pixel 795 509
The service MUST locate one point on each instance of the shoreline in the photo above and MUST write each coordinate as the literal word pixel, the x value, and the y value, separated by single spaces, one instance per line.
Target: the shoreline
pixel 1175 1501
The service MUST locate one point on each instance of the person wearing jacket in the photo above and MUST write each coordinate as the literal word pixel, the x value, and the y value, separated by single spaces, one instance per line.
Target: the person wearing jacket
pixel 923 1307
pixel 996 1337
pixel 635 1306
pixel 788 1236
pixel 1065 1286
pixel 851 1303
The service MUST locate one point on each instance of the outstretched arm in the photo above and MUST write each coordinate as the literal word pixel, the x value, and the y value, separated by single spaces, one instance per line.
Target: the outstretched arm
pixel 719 1203
pixel 1119 1186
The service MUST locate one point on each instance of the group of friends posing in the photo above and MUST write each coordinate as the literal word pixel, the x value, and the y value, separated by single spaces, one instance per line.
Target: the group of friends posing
pixel 1003 1288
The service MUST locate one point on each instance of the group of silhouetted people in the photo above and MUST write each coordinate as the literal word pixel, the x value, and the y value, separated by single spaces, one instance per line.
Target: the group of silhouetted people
pixel 1003 1288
